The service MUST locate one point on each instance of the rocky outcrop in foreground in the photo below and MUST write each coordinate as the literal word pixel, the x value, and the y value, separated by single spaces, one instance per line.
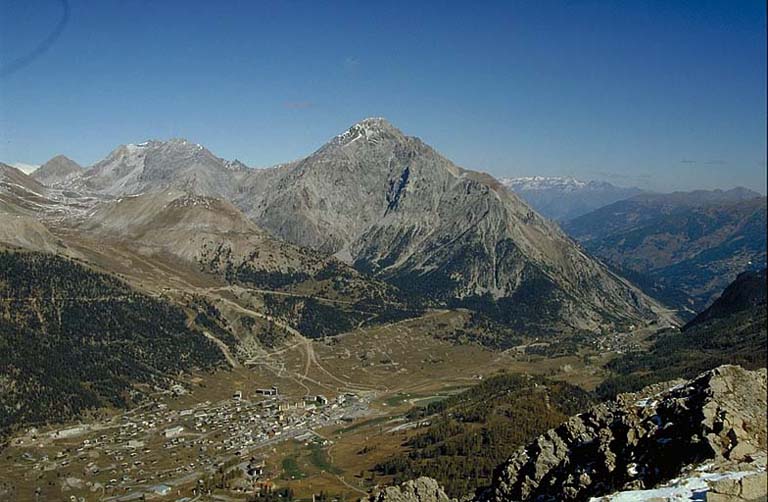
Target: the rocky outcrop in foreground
pixel 642 440
pixel 668 442
pixel 419 490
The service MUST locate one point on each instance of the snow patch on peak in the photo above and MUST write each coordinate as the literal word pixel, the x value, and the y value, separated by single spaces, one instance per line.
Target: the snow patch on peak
pixel 368 128
pixel 374 121
pixel 133 149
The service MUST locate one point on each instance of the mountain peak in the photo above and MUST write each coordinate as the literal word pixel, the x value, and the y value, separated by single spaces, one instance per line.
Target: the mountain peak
pixel 375 122
pixel 543 183
pixel 367 129
pixel 159 143
pixel 155 165
pixel 60 159
pixel 60 168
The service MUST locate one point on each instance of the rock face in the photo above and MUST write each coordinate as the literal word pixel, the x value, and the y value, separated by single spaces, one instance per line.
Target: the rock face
pixel 748 488
pixel 21 198
pixel 12 179
pixel 644 439
pixel 59 169
pixel 419 490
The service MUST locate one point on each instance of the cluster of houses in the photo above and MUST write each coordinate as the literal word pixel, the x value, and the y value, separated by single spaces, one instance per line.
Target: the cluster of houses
pixel 156 447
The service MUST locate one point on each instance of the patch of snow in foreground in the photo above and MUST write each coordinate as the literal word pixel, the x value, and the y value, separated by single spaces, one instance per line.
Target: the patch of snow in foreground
pixel 680 490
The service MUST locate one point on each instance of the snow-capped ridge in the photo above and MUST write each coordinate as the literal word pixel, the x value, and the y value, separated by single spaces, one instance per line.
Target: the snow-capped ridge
pixel 367 129
pixel 565 197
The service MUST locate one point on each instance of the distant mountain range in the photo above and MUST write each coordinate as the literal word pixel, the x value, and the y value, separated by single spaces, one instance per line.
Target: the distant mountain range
pixel 385 203
pixel 682 248
pixel 563 198
pixel 393 208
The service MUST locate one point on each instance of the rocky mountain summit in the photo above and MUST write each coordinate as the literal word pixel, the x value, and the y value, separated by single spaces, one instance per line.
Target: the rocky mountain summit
pixel 59 169
pixel 422 489
pixel 707 434
pixel 155 165
pixel 641 440
pixel 394 207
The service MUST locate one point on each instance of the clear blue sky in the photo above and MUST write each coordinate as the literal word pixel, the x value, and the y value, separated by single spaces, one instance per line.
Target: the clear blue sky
pixel 665 95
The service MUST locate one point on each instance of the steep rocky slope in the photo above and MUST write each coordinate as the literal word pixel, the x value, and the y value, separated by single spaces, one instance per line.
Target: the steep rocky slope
pixel 642 440
pixel 394 207
pixel 682 248
pixel 19 192
pixel 59 169
pixel 22 199
pixel 565 198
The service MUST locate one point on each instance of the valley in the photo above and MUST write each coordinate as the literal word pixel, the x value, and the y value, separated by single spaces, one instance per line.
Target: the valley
pixel 371 378
pixel 183 327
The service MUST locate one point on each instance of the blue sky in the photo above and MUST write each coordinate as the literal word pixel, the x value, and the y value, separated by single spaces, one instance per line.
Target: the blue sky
pixel 664 95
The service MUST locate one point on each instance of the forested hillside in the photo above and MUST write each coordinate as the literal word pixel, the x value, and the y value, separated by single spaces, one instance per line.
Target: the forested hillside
pixel 72 339
pixel 680 248
pixel 731 331
pixel 471 433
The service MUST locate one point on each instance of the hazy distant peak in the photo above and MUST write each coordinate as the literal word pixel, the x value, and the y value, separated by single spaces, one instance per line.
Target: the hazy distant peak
pixel 563 183
pixel 699 197
pixel 62 159
pixel 565 197
pixel 57 170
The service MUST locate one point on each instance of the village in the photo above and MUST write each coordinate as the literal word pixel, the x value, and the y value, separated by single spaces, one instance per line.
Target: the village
pixel 156 451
